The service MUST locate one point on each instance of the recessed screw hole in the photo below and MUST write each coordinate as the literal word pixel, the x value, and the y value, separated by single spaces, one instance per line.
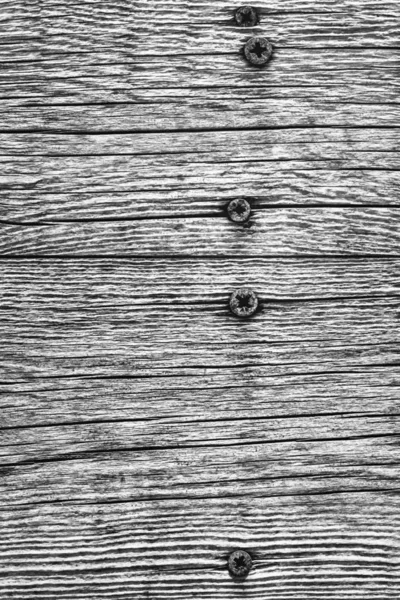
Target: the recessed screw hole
pixel 239 562
pixel 240 209
pixel 244 302
pixel 247 16
pixel 258 50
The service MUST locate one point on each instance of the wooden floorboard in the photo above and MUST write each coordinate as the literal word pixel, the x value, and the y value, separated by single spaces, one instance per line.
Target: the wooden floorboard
pixel 271 232
pixel 146 432
pixel 315 546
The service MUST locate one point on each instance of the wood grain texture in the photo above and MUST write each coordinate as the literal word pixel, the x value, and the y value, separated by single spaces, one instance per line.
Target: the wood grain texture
pixel 136 176
pixel 291 72
pixel 139 480
pixel 170 317
pixel 197 26
pixel 198 114
pixel 140 67
pixel 145 432
pixel 342 544
pixel 271 232
pixel 131 27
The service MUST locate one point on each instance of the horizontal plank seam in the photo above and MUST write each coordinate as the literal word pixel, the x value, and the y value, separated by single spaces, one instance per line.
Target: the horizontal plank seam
pixel 69 132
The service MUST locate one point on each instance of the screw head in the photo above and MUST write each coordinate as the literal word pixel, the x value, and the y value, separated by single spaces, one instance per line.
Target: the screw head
pixel 243 303
pixel 258 51
pixel 246 16
pixel 239 563
pixel 239 210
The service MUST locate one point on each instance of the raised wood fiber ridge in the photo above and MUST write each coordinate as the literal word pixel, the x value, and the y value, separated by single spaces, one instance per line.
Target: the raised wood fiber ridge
pixel 145 431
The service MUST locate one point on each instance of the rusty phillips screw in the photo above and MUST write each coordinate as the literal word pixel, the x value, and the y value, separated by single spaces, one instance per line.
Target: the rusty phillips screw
pixel 246 16
pixel 239 564
pixel 243 303
pixel 258 51
pixel 238 210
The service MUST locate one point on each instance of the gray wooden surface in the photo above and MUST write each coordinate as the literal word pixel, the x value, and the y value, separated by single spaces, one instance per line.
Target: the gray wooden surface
pixel 145 432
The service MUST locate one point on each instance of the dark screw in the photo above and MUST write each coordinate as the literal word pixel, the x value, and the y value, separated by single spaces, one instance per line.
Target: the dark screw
pixel 246 16
pixel 258 51
pixel 239 563
pixel 243 303
pixel 238 210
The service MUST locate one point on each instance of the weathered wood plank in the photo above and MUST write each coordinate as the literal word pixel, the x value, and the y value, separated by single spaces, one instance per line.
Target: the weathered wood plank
pixel 143 27
pixel 299 88
pixel 315 457
pixel 128 283
pixel 136 434
pixel 119 74
pixel 368 86
pixel 145 432
pixel 94 29
pixel 222 395
pixel 136 176
pixel 197 115
pixel 76 342
pixel 270 232
pixel 342 545
pixel 124 360
pixel 226 453
pixel 282 144
pixel 78 76
pixel 170 318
